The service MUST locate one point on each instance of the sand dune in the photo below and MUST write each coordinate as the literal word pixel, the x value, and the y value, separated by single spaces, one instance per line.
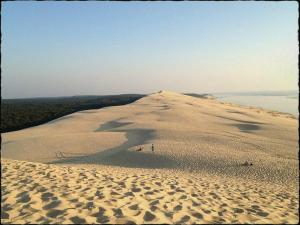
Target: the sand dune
pixel 40 193
pixel 200 147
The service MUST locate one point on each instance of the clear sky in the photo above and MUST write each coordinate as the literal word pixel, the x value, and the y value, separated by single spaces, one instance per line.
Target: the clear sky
pixel 95 48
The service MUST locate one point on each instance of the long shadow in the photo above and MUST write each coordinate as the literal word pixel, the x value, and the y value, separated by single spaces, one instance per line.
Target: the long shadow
pixel 112 125
pixel 244 125
pixel 120 155
pixel 123 157
pixel 247 128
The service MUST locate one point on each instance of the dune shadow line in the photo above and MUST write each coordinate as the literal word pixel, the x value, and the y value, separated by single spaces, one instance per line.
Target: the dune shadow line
pixel 111 125
pixel 120 155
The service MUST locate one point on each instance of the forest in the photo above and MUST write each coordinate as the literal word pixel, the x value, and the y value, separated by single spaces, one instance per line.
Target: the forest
pixel 18 114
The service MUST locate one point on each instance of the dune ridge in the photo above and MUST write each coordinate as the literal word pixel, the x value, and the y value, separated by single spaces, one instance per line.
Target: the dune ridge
pixel 200 146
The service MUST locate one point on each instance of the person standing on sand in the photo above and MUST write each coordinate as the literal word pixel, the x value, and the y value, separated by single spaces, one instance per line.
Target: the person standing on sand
pixel 152 148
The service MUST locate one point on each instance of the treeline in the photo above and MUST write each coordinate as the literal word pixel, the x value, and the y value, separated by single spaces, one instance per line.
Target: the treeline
pixel 18 114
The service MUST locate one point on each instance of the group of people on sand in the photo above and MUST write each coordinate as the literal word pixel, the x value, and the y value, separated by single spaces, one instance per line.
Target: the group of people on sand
pixel 141 148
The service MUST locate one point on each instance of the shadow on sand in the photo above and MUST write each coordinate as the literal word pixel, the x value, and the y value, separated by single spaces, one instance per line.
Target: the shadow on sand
pixel 123 157
pixel 244 125
pixel 247 128
pixel 120 155
pixel 111 125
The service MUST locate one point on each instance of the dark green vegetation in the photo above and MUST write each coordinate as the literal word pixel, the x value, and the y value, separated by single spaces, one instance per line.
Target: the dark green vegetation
pixel 18 114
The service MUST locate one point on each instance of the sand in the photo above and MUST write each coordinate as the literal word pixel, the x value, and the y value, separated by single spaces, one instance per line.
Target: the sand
pixel 84 167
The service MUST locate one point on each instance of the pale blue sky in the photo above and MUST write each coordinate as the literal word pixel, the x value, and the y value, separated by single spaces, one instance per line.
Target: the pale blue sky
pixel 79 48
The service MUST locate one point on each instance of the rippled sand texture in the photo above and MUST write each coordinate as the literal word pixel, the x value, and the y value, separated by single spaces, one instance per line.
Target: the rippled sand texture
pixel 39 193
pixel 190 136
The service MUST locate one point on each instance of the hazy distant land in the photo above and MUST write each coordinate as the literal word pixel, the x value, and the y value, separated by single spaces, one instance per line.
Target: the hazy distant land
pixel 282 101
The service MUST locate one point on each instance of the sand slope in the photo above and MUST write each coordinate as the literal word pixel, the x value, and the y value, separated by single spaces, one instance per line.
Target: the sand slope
pixel 39 193
pixel 190 135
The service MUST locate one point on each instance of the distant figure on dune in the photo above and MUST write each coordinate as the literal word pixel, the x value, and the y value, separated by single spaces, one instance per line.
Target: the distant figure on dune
pixel 247 164
pixel 152 148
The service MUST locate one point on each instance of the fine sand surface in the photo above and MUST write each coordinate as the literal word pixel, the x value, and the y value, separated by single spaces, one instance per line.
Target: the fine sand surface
pixel 84 167
pixel 40 193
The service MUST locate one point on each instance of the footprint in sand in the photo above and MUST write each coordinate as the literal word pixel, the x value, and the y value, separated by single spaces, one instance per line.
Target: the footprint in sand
pixel 136 189
pixel 41 189
pixel 102 219
pixel 183 197
pixel 169 215
pixel 129 194
pixel 6 207
pixel 77 220
pixel 155 202
pixel 179 190
pixel 197 215
pixel 100 212
pixel 153 208
pixel 206 211
pixel 238 210
pixel 43 220
pixel 262 214
pixel 149 193
pixel 73 200
pixel 195 204
pixel 172 186
pixel 4 215
pixel 46 196
pixel 149 216
pixel 54 213
pixel 79 205
pixel 121 184
pixel 114 193
pixel 23 197
pixel 255 206
pixel 134 207
pixel 52 205
pixel 184 219
pixel 177 208
pixel 90 205
pixel 118 213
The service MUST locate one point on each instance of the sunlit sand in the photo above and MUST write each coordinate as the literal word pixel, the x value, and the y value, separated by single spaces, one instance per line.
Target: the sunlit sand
pixel 85 167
